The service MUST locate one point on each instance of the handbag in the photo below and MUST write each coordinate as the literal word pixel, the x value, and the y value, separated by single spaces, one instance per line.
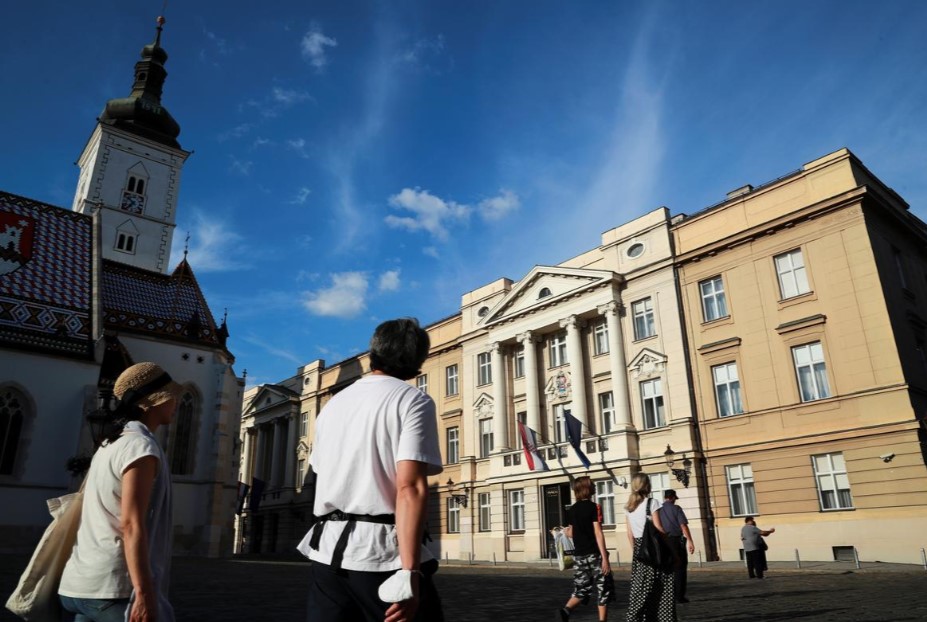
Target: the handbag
pixel 36 594
pixel 762 543
pixel 654 550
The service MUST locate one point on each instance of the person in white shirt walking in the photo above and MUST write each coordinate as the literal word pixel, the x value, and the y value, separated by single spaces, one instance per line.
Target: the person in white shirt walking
pixel 375 444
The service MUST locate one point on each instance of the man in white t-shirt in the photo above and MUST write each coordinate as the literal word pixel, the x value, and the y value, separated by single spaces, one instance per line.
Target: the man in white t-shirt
pixel 375 444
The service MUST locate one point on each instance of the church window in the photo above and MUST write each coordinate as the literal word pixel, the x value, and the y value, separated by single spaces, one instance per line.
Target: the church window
pixel 133 196
pixel 125 242
pixel 13 409
pixel 183 439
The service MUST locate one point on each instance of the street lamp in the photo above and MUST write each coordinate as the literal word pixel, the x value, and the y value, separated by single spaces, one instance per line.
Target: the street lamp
pixel 682 475
pixel 461 498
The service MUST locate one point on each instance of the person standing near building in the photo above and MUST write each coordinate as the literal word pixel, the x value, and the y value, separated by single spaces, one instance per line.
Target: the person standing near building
pixel 651 597
pixel 590 557
pixel 754 547
pixel 119 567
pixel 375 444
pixel 676 526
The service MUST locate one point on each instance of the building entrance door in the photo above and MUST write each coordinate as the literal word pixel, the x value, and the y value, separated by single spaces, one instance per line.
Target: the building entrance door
pixel 556 502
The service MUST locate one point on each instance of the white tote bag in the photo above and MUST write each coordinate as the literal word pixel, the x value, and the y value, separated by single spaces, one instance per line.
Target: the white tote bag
pixel 36 596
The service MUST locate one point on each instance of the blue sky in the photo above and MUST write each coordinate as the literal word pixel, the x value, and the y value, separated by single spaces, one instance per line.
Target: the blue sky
pixel 355 161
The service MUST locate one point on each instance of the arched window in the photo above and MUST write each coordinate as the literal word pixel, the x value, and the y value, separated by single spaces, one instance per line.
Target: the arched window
pixel 183 437
pixel 13 409
pixel 544 293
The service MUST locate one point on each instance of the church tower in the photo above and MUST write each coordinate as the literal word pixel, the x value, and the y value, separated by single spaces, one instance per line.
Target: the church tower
pixel 130 169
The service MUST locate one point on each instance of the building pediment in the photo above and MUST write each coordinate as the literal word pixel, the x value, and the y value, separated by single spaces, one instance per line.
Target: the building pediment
pixel 545 286
pixel 483 406
pixel 647 363
pixel 268 396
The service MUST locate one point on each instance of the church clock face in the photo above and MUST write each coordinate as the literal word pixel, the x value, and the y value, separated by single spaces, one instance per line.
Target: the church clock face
pixel 132 203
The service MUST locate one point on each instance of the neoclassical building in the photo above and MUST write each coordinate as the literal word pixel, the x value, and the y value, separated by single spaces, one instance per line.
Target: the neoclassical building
pixel 86 292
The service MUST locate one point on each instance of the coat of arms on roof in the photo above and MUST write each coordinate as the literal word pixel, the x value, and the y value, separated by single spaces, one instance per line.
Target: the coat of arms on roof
pixel 16 235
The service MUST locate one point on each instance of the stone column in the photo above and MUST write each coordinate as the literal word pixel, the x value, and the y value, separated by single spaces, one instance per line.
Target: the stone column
pixel 577 368
pixel 257 467
pixel 618 364
pixel 532 386
pixel 246 448
pixel 289 477
pixel 277 456
pixel 500 422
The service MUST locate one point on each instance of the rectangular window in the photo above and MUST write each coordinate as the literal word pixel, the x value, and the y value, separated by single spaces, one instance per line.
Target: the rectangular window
pixel 740 487
pixel 453 515
pixel 830 470
pixel 659 484
pixel 560 435
pixel 422 383
pixel 485 437
pixel 652 401
pixel 605 497
pixel 453 445
pixel 600 333
pixel 793 280
pixel 516 510
pixel 899 264
pixel 727 389
pixel 485 511
pixel 607 411
pixel 522 418
pixel 558 350
pixel 642 310
pixel 300 472
pixel 304 424
pixel 811 371
pixel 484 367
pixel 451 375
pixel 714 304
pixel 520 362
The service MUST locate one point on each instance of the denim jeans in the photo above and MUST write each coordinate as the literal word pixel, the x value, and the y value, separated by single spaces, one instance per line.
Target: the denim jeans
pixel 94 609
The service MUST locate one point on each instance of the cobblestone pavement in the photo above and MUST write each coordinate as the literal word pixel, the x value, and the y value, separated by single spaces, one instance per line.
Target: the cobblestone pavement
pixel 224 590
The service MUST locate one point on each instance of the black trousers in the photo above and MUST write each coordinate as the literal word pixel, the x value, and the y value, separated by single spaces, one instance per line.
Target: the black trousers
pixel 680 577
pixel 351 595
pixel 756 563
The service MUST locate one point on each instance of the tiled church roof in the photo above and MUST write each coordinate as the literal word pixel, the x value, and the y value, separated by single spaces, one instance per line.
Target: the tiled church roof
pixel 167 306
pixel 46 277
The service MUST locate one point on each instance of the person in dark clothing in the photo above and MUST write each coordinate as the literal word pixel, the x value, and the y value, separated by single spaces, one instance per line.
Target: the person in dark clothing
pixel 676 526
pixel 751 535
pixel 590 557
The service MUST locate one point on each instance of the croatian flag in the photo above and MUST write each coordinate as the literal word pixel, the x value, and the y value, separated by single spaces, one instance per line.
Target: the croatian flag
pixel 574 429
pixel 529 442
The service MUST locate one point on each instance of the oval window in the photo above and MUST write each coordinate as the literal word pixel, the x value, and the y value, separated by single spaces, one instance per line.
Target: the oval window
pixel 483 312
pixel 635 250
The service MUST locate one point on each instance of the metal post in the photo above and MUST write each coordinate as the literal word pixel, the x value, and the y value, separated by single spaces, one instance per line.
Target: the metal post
pixel 700 558
pixel 617 558
pixel 470 558
pixel 856 557
pixel 924 558
pixel 493 558
pixel 797 559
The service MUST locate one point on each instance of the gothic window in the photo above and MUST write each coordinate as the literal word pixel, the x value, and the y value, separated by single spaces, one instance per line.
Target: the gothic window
pixel 133 195
pixel 13 410
pixel 183 437
pixel 126 238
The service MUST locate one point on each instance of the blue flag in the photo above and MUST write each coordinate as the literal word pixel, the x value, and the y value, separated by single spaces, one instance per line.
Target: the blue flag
pixel 257 494
pixel 574 430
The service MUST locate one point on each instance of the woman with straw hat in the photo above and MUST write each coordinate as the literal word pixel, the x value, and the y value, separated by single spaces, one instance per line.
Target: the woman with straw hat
pixel 119 567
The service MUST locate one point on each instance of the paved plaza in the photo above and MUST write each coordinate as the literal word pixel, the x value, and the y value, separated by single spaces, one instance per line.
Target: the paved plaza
pixel 222 590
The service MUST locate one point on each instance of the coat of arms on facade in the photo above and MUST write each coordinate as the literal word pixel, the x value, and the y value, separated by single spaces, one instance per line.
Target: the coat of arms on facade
pixel 559 385
pixel 647 363
pixel 16 236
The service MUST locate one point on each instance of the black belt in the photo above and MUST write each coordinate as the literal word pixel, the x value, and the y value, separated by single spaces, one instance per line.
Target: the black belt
pixel 351 520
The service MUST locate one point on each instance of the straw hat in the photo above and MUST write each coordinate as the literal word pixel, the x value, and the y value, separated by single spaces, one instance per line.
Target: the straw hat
pixel 149 384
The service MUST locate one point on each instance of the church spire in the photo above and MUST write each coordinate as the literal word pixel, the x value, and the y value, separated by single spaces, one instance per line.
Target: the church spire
pixel 141 113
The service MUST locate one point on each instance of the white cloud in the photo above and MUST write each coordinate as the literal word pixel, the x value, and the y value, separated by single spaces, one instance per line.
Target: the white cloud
pixel 313 47
pixel 242 167
pixel 260 142
pixel 430 213
pixel 214 247
pixel 301 196
pixel 288 97
pixel 273 350
pixel 428 55
pixel 236 132
pixel 498 207
pixel 299 146
pixel 431 251
pixel 345 297
pixel 389 281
